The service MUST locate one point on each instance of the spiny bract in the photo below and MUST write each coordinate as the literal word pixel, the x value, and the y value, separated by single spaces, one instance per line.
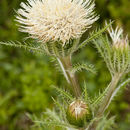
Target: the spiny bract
pixel 119 42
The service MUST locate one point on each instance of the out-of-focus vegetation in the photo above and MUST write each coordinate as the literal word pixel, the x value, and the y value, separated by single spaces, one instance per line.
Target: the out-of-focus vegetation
pixel 25 78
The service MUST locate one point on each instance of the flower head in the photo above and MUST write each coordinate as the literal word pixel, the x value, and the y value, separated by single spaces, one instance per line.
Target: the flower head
pixel 56 20
pixel 119 42
pixel 119 54
pixel 78 109
pixel 78 112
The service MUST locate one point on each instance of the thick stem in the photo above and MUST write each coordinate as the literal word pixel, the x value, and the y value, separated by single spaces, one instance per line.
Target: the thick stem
pixel 66 66
pixel 107 100
pixel 108 97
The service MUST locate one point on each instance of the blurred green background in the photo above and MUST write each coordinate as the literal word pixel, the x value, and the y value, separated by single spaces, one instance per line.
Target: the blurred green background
pixel 25 78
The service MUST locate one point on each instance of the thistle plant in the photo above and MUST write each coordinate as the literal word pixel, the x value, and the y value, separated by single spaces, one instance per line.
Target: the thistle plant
pixel 57 26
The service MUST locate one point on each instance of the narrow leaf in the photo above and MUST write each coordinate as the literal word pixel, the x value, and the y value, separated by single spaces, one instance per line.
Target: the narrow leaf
pixel 67 95
pixel 25 46
pixel 54 123
pixel 79 67
pixel 61 107
pixel 85 92
pixel 99 99
pixel 94 35
pixel 119 87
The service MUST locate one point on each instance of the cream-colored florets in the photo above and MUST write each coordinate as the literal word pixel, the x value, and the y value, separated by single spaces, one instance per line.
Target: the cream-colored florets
pixel 118 40
pixel 78 109
pixel 56 20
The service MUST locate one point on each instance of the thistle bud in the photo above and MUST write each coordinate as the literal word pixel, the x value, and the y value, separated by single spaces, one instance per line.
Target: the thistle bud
pixel 120 52
pixel 121 45
pixel 78 113
pixel 119 42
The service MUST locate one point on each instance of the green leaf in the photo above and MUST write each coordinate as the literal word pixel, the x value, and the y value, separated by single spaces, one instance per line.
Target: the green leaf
pixel 67 95
pixel 52 115
pixel 94 35
pixel 85 92
pixel 119 87
pixel 106 124
pixel 55 123
pixel 24 45
pixel 61 107
pixel 104 48
pixel 95 119
pixel 97 101
pixel 79 67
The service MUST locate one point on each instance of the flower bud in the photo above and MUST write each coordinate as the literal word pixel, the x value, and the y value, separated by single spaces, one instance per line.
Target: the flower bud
pixel 78 113
pixel 119 42
pixel 121 45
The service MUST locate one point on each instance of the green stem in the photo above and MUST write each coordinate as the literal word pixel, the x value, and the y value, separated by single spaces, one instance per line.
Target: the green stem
pixel 107 99
pixel 66 66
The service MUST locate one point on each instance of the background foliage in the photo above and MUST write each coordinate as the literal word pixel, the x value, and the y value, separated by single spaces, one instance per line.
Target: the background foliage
pixel 25 78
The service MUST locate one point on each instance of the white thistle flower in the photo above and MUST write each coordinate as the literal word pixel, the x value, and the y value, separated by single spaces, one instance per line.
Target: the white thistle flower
pixel 56 20
pixel 117 38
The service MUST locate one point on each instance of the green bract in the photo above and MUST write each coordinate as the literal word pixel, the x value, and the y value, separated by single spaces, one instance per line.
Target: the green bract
pixel 78 113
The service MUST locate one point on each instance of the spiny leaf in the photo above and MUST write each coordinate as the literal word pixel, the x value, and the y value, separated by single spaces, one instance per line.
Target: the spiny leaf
pixel 67 95
pixel 106 124
pixel 79 67
pixel 58 104
pixel 24 45
pixel 61 107
pixel 97 101
pixel 94 35
pixel 119 87
pixel 91 122
pixel 101 96
pixel 104 48
pixel 85 92
pixel 52 115
pixel 54 123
